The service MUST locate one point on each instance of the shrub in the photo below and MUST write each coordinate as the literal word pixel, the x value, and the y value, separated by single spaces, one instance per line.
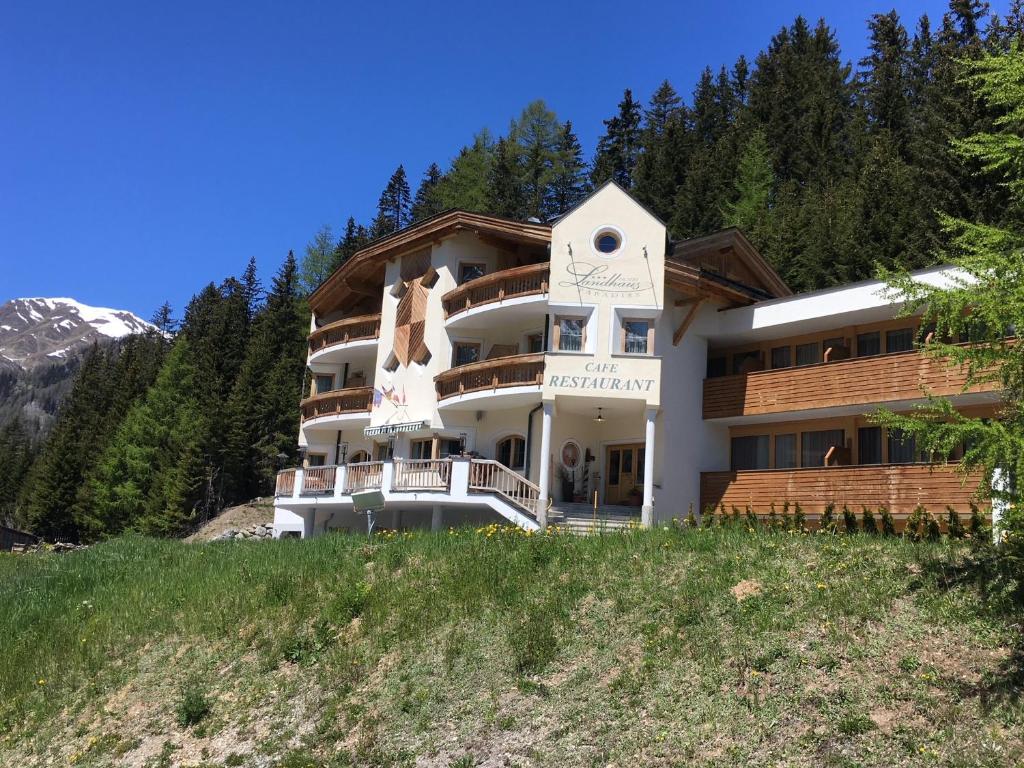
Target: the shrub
pixel 787 521
pixel 915 527
pixel 773 517
pixel 868 522
pixel 798 517
pixel 735 514
pixel 691 520
pixel 954 527
pixel 888 524
pixel 751 518
pixel 193 704
pixel 827 521
pixel 849 520
pixel 977 523
pixel 707 520
pixel 931 527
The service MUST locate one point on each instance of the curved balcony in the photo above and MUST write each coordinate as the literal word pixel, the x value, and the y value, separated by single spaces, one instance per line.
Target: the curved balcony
pixel 504 382
pixel 513 292
pixel 340 405
pixel 329 343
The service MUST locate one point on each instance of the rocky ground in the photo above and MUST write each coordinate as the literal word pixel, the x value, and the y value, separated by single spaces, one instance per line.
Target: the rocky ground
pixel 254 520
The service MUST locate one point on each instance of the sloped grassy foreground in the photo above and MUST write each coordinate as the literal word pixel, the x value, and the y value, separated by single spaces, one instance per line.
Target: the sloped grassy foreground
pixel 708 647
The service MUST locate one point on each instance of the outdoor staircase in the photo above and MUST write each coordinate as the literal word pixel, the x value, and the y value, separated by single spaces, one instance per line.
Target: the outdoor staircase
pixel 580 518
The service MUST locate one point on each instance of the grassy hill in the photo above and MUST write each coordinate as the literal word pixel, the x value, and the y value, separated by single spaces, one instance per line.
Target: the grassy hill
pixel 709 647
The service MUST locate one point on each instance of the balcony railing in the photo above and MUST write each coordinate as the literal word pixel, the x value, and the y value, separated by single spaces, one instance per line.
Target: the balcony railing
pixel 531 280
pixel 855 381
pixel 422 475
pixel 488 476
pixel 339 402
pixel 511 371
pixel 900 487
pixel 343 331
pixel 363 476
pixel 318 480
pixel 285 482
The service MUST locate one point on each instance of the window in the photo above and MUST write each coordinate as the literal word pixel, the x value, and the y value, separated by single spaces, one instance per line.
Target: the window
pixel 902 447
pixel 869 445
pixel 448 446
pixel 814 446
pixel 782 357
pixel 869 344
pixel 717 366
pixel 785 451
pixel 534 343
pixel 635 335
pixel 745 362
pixel 512 452
pixel 465 352
pixel 471 271
pixel 382 451
pixel 750 452
pixel 899 341
pixel 421 449
pixel 324 383
pixel 607 242
pixel 808 354
pixel 359 457
pixel 316 459
pixel 839 350
pixel 571 336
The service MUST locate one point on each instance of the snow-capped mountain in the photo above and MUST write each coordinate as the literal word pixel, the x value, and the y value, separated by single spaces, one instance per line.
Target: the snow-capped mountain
pixel 40 331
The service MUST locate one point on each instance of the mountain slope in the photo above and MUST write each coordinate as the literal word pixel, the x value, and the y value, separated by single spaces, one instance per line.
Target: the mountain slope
pixel 42 342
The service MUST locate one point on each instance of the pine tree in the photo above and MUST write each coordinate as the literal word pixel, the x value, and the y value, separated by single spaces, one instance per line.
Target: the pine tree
pixel 426 203
pixel 355 237
pixel 164 320
pixel 568 185
pixel 534 141
pixel 465 184
pixel 665 150
pixel 16 454
pixel 619 148
pixel 318 263
pixel 394 205
pixel 252 289
pixel 505 193
pixel 885 76
pixel 753 188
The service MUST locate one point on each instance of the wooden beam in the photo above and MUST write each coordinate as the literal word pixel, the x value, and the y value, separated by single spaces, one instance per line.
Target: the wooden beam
pixel 362 288
pixel 690 316
pixel 687 301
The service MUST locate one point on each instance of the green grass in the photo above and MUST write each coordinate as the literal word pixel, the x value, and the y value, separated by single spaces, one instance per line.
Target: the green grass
pixel 533 650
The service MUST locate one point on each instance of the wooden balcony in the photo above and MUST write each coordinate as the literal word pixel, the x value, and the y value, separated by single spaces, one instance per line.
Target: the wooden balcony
pixel 340 402
pixel 422 475
pixel 489 375
pixel 856 381
pixel 285 482
pixel 344 331
pixel 900 487
pixel 531 280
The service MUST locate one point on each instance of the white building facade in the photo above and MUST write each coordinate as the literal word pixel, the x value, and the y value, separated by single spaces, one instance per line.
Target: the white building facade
pixel 474 369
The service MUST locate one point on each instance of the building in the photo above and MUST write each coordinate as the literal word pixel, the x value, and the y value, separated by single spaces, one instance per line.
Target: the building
pixel 478 369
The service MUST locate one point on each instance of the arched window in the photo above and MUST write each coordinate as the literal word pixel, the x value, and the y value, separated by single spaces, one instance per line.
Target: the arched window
pixel 511 451
pixel 358 456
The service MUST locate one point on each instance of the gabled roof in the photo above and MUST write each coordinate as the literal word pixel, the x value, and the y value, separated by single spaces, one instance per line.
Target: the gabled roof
pixel 367 263
pixel 594 193
pixel 718 254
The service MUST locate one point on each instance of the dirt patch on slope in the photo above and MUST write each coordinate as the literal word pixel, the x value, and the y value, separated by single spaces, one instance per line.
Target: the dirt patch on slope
pixel 241 518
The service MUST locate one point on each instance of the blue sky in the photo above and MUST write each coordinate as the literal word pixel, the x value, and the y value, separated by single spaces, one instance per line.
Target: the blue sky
pixel 147 149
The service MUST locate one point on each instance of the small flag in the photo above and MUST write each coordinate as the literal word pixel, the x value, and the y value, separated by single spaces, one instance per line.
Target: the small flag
pixel 376 397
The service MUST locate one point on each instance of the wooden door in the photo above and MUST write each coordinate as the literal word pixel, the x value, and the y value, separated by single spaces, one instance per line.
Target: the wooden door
pixel 623 472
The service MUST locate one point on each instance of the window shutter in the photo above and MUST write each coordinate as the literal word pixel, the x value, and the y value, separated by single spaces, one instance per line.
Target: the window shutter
pixel 556 334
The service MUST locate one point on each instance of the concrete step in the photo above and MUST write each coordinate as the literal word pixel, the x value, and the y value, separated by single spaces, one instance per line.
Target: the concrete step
pixel 586 524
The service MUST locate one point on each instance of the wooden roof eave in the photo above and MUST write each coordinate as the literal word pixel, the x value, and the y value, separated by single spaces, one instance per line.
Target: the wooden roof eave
pixel 689 281
pixel 418 236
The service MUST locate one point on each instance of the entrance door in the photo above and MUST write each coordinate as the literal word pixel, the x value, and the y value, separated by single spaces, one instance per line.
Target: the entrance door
pixel 624 472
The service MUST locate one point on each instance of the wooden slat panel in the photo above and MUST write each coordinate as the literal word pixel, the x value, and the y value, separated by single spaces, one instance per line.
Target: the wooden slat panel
pixel 858 381
pixel 511 371
pixel 337 402
pixel 900 487
pixel 530 280
pixel 344 331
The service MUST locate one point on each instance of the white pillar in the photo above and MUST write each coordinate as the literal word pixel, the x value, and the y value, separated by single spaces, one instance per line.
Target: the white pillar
pixel 544 466
pixel 647 511
pixel 309 524
pixel 436 518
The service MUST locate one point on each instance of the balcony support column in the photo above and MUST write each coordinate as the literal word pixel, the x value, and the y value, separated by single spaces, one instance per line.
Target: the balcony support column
pixel 647 511
pixel 544 466
pixel 437 518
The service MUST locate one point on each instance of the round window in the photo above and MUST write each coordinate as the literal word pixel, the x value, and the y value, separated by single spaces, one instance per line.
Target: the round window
pixel 571 454
pixel 607 242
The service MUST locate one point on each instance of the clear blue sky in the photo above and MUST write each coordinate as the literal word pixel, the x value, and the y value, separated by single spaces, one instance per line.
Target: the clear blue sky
pixel 146 149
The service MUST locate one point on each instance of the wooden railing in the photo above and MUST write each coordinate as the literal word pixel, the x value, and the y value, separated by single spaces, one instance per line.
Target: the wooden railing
pixel 344 331
pixel 317 480
pixel 531 280
pixel 337 403
pixel 285 482
pixel 900 487
pixel 422 475
pixel 363 476
pixel 489 476
pixel 511 371
pixel 855 381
